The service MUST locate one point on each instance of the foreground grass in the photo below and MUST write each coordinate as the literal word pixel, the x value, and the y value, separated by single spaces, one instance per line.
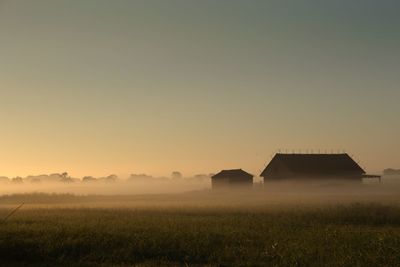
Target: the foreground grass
pixel 347 235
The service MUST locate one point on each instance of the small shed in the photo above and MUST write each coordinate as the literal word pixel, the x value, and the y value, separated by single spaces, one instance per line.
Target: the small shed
pixel 232 178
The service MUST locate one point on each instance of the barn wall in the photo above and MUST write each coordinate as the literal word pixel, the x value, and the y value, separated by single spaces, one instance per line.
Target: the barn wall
pixel 219 183
pixel 238 181
pixel 318 178
pixel 230 182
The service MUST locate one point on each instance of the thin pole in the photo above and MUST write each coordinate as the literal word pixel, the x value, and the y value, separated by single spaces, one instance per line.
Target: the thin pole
pixel 13 211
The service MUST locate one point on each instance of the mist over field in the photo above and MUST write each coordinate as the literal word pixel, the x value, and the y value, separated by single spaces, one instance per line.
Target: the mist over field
pixel 143 190
pixel 282 224
pixel 110 185
pixel 182 221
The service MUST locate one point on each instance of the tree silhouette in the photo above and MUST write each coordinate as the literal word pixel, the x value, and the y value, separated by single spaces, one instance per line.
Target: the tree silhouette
pixel 176 175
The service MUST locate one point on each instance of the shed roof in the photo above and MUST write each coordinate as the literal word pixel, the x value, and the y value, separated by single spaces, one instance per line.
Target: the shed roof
pixel 232 173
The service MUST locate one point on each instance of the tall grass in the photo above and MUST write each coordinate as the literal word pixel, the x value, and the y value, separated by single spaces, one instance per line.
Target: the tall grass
pixel 341 235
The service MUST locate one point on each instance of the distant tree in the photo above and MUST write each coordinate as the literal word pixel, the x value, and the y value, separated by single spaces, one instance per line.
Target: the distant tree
pixel 140 177
pixel 200 177
pixel 17 180
pixel 35 180
pixel 4 179
pixel 88 179
pixel 111 178
pixel 65 178
pixel 176 175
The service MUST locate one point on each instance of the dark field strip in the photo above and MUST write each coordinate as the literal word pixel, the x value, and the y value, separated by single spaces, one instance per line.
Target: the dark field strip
pixel 347 235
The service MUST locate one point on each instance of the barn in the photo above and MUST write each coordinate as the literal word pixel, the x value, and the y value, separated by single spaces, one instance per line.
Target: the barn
pixel 232 178
pixel 313 167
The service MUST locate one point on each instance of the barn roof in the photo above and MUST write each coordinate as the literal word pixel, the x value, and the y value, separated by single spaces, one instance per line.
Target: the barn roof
pixel 232 173
pixel 318 164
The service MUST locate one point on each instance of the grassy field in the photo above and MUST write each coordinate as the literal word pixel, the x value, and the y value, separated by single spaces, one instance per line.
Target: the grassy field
pixel 347 234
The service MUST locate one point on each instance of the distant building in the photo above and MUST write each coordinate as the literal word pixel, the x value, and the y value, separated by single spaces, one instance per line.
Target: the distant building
pixel 232 178
pixel 391 172
pixel 312 167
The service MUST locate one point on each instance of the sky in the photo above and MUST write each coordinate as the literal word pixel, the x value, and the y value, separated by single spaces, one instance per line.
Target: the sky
pixel 98 87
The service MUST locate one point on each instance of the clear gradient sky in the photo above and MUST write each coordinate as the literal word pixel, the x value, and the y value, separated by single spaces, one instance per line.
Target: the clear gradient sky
pixel 97 87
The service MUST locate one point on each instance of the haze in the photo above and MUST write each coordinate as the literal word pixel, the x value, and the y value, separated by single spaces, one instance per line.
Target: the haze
pixel 101 87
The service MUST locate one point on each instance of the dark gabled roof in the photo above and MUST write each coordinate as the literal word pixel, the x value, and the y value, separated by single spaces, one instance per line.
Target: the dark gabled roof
pixel 232 173
pixel 317 164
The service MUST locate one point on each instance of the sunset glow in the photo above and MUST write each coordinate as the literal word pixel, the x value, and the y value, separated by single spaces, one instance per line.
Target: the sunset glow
pixel 94 87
